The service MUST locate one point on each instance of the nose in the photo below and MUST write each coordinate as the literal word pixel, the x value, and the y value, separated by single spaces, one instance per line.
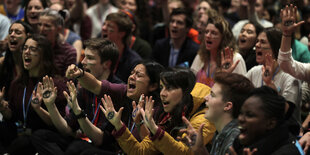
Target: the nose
pixel 84 61
pixel 241 118
pixel 257 45
pixel 163 93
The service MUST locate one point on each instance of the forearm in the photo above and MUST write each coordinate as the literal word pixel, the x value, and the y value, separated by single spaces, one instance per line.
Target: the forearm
pixel 44 115
pixel 91 131
pixel 59 122
pixel 78 46
pixel 286 42
pixel 89 82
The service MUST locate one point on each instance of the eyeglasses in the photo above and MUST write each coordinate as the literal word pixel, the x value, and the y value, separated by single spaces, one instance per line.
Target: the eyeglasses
pixel 32 50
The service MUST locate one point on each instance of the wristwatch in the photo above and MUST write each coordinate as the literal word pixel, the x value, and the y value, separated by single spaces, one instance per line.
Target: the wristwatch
pixel 81 115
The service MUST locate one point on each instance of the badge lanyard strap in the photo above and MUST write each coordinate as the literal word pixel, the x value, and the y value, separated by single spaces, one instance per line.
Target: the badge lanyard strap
pixel 95 109
pixel 208 71
pixel 25 111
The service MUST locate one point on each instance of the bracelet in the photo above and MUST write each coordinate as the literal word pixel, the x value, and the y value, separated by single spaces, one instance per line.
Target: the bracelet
pixel 285 35
pixel 81 115
pixel 82 73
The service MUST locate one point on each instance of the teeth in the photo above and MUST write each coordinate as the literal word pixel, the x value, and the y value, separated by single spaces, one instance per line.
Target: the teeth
pixel 240 127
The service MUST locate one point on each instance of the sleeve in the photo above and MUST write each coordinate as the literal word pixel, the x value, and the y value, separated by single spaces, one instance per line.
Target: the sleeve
pixel 71 57
pixel 296 69
pixel 168 145
pixel 131 146
pixel 4 27
pixel 241 67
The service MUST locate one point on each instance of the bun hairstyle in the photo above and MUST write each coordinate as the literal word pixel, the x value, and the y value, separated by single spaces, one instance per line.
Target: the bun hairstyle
pixel 58 16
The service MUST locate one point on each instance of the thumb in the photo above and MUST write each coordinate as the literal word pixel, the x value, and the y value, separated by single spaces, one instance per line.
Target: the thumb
pixel 120 112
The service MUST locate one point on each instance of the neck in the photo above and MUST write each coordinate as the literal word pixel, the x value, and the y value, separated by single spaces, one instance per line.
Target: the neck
pixel 222 122
pixel 34 72
pixel 177 43
pixel 105 75
pixel 213 55
pixel 121 47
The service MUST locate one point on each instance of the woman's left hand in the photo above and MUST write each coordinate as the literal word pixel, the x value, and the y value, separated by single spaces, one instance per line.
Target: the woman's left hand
pixel 148 114
pixel 267 69
pixel 227 60
pixel 110 113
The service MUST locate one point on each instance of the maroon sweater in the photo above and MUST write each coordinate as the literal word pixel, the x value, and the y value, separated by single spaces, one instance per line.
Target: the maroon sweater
pixel 64 55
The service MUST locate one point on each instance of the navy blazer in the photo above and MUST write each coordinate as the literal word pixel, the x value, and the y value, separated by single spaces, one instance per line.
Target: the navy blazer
pixel 161 52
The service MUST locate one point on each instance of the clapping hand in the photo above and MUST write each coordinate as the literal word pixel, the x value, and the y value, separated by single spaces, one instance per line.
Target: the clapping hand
pixel 147 115
pixel 110 113
pixel 227 59
pixel 49 92
pixel 72 98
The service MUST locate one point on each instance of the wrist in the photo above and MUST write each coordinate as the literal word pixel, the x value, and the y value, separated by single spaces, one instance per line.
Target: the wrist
pixel 287 35
pixel 118 126
pixel 154 129
pixel 81 73
pixel 80 114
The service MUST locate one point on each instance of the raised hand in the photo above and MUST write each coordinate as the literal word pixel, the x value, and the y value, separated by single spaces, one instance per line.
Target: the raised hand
pixel 72 98
pixel 193 138
pixel 305 142
pixel 148 113
pixel 73 72
pixel 3 104
pixel 227 60
pixel 267 69
pixel 49 92
pixel 289 18
pixel 110 113
pixel 136 114
pixel 37 98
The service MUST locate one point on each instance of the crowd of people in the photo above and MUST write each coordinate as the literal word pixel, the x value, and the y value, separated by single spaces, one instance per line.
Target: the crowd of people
pixel 154 77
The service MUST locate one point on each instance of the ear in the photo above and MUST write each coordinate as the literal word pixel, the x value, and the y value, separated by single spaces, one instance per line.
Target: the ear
pixel 228 106
pixel 271 123
pixel 152 87
pixel 107 64
pixel 121 34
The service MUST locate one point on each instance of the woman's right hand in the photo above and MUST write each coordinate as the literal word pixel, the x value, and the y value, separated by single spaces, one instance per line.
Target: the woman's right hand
pixel 110 113
pixel 72 98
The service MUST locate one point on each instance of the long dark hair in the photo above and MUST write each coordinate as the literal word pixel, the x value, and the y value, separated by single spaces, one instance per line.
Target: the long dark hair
pixel 6 71
pixel 184 79
pixel 273 35
pixel 43 2
pixel 46 65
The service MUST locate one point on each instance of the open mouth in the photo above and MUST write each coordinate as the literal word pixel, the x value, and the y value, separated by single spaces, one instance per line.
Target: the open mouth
pixel 104 36
pixel 13 42
pixel 34 16
pixel 259 53
pixel 174 31
pixel 242 40
pixel 131 86
pixel 27 60
pixel 165 103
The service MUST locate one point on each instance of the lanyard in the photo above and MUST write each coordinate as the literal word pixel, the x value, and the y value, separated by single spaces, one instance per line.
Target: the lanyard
pixel 274 74
pixel 95 110
pixel 208 71
pixel 25 111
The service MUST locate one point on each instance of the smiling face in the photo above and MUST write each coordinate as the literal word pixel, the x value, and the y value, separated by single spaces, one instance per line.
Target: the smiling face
pixel 252 121
pixel 262 48
pixel 138 83
pixel 247 37
pixel 31 55
pixel 129 5
pixel 33 11
pixel 177 26
pixel 17 36
pixel 48 29
pixel 215 104
pixel 213 37
pixel 92 63
pixel 170 97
